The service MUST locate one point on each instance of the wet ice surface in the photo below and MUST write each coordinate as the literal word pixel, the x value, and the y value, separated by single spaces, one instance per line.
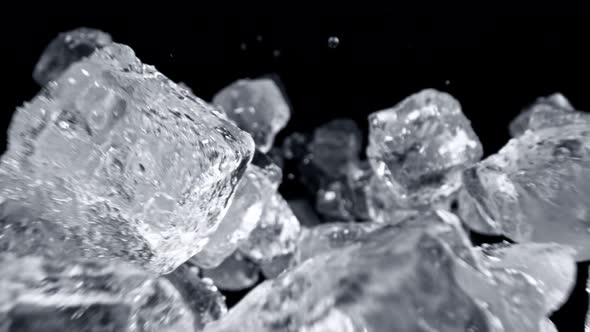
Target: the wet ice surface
pixel 128 204
pixel 114 160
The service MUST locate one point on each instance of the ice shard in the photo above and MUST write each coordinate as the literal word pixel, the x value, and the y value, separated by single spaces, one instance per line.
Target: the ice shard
pixel 114 160
pixel 420 146
pixel 535 188
pixel 39 294
pixel 256 106
pixel 419 275
pixel 200 294
pixel 66 49
pixel 537 114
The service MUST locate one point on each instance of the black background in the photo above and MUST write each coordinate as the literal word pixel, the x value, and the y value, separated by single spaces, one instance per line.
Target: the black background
pixel 493 60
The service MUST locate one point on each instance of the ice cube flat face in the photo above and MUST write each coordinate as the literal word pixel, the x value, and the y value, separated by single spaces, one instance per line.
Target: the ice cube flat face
pixel 67 48
pixel 116 142
pixel 420 145
pixel 256 106
pixel 48 295
pixel 536 188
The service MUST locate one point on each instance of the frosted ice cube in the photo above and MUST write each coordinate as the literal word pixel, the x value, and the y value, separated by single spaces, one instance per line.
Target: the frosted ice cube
pixel 420 146
pixel 256 106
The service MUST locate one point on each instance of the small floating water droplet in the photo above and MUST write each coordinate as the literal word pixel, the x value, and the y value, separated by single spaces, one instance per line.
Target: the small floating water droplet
pixel 243 46
pixel 276 53
pixel 259 38
pixel 333 42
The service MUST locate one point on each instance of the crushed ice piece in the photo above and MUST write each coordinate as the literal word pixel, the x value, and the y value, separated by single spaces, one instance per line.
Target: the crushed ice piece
pixel 552 266
pixel 235 273
pixel 256 106
pixel 420 146
pixel 66 49
pixel 537 114
pixel 120 162
pixel 535 188
pixel 252 194
pixel 276 234
pixel 403 277
pixel 200 294
pixel 346 198
pixel 40 294
pixel 335 146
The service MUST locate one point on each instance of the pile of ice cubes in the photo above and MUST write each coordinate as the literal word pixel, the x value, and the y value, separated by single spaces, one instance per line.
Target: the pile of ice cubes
pixel 127 204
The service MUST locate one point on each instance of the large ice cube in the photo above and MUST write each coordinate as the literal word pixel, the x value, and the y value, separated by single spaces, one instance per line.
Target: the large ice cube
pixel 56 295
pixel 123 163
pixel 536 189
pixel 257 106
pixel 419 275
pixel 420 146
pixel 67 48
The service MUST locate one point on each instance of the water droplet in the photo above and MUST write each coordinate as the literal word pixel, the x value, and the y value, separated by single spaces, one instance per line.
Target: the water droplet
pixel 447 82
pixel 243 46
pixel 333 42
pixel 276 53
pixel 259 38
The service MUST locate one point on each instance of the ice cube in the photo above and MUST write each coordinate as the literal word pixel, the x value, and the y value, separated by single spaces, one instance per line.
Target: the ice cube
pixel 40 294
pixel 256 106
pixel 200 294
pixel 420 146
pixel 67 48
pixel 535 188
pixel 123 163
pixel 235 273
pixel 536 115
